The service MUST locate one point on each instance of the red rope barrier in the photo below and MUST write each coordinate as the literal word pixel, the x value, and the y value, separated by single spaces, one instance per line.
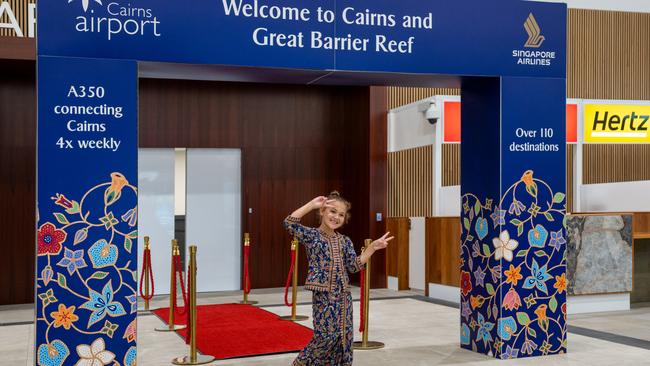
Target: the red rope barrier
pixel 286 286
pixel 179 271
pixel 362 312
pixel 146 267
pixel 247 281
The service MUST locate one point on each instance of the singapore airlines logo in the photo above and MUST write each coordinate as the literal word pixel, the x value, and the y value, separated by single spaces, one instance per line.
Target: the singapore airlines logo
pixel 535 38
pixel 86 3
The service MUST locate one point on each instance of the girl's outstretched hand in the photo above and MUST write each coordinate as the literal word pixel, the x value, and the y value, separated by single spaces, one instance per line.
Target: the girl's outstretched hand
pixel 382 242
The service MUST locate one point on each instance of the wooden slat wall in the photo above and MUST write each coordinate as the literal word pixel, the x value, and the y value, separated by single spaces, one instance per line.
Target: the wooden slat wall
pixel 450 165
pixel 608 55
pixel 641 224
pixel 397 253
pixel 442 251
pixel 21 12
pixel 608 163
pixel 410 182
pixel 399 96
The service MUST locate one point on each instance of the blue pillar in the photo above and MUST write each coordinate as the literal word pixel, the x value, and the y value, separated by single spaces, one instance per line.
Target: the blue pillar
pixel 86 299
pixel 513 179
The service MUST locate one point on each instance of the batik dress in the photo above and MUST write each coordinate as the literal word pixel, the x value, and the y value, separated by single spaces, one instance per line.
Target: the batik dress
pixel 331 257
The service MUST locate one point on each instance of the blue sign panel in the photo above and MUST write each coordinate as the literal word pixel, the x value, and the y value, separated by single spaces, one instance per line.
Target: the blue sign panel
pixel 517 38
pixel 513 267
pixel 87 201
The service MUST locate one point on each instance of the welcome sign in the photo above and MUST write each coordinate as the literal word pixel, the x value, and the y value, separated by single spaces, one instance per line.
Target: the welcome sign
pixel 509 56
pixel 517 38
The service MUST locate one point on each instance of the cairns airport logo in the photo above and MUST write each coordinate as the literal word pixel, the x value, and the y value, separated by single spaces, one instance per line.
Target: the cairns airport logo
pixel 116 19
pixel 531 54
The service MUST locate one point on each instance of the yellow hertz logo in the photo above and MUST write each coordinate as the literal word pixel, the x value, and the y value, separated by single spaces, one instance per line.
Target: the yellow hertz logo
pixel 535 37
pixel 617 123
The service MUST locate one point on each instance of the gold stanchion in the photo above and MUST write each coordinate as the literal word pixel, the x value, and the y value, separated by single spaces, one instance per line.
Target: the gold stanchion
pixel 172 287
pixel 365 344
pixel 294 291
pixel 247 245
pixel 193 358
pixel 146 275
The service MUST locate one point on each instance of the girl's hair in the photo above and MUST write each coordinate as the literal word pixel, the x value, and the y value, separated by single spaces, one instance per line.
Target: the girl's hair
pixel 335 195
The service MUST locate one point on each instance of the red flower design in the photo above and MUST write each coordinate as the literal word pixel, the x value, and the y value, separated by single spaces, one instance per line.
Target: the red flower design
pixel 465 283
pixel 50 239
pixel 62 201
pixel 511 301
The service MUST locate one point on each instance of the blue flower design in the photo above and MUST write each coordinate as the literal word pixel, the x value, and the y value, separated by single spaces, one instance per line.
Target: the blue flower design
pixel 484 330
pixel 481 227
pixel 103 254
pixel 133 300
pixel 516 207
pixel 557 239
pixel 498 217
pixel 102 304
pixel 464 334
pixel 509 353
pixel 537 236
pixel 72 260
pixel 538 278
pixel 465 310
pixel 131 217
pixel 479 276
pixel 53 354
pixel 507 327
pixel 131 357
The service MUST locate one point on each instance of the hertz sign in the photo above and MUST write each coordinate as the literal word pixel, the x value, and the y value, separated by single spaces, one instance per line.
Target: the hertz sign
pixel 608 123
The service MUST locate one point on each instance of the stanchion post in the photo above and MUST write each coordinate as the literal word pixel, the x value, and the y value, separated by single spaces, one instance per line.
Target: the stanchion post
pixel 365 344
pixel 247 244
pixel 294 290
pixel 193 358
pixel 146 276
pixel 172 286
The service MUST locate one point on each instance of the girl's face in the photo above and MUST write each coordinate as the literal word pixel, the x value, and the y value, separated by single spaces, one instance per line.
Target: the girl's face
pixel 334 216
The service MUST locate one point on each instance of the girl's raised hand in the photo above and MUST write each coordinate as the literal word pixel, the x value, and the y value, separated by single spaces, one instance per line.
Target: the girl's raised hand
pixel 382 242
pixel 318 202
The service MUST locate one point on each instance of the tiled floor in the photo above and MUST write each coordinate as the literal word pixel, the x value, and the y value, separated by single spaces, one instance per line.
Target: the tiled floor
pixel 416 332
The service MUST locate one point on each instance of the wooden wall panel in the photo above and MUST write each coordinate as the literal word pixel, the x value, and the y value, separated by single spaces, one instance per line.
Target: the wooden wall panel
pixel 399 96
pixel 410 182
pixel 450 165
pixel 608 55
pixel 21 13
pixel 442 251
pixel 297 142
pixel 397 253
pixel 606 163
pixel 377 181
pixel 641 224
pixel 17 181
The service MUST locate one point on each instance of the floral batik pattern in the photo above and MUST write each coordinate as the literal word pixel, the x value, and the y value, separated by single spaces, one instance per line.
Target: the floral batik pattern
pixel 513 271
pixel 87 278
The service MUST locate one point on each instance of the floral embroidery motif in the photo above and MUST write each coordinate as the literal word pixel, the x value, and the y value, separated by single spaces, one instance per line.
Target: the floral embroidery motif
pixel 511 312
pixel 94 354
pixel 64 317
pixel 72 260
pixel 80 284
pixel 50 239
pixel 503 246
pixel 102 304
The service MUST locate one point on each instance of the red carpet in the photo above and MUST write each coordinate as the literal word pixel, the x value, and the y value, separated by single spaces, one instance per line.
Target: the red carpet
pixel 235 330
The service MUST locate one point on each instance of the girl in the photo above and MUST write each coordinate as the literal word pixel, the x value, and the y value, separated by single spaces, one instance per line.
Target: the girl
pixel 331 256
